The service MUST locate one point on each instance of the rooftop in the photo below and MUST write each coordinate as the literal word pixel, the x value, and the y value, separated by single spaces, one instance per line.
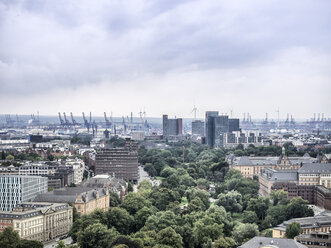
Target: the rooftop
pixel 315 168
pixel 264 242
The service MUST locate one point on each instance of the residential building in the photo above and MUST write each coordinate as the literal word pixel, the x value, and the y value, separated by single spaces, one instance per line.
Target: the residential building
pixel 15 189
pixel 122 162
pixel 38 221
pixel 59 176
pixel 265 242
pixel 315 174
pixel 198 128
pixel 172 127
pixel 78 167
pixel 308 225
pixel 84 199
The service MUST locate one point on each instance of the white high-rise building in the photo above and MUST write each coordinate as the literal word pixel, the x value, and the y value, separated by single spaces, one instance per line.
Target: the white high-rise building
pixel 78 167
pixel 15 189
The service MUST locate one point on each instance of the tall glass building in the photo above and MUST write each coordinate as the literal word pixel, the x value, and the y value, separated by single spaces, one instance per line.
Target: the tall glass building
pixel 15 189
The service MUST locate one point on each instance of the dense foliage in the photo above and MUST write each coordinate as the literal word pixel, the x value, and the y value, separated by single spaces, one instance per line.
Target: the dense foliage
pixel 182 211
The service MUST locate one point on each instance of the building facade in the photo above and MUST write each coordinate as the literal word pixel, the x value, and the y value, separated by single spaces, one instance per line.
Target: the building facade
pixel 308 225
pixel 172 127
pixel 15 189
pixel 253 166
pixel 38 221
pixel 84 199
pixel 217 128
pixel 122 162
pixel 198 128
pixel 315 174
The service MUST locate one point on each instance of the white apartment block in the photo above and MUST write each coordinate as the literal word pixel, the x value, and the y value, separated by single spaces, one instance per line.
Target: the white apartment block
pixel 78 167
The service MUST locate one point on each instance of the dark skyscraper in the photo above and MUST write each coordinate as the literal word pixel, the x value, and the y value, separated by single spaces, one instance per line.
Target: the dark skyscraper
pixel 217 126
pixel 198 128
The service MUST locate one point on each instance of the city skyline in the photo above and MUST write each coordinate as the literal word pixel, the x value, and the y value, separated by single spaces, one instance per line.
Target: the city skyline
pixel 237 56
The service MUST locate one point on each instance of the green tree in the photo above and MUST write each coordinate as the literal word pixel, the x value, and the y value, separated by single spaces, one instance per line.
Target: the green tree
pixel 259 205
pixel 114 200
pixel 249 217
pixel 292 230
pixel 161 220
pixel 29 244
pixel 224 243
pixel 231 201
pixel 279 197
pixel 202 194
pixel 9 238
pixel 162 197
pixel 96 236
pixel 298 208
pixel 133 202
pixel 10 157
pixel 60 244
pixel 244 232
pixel 141 217
pixel 144 185
pixel 120 219
pixel 169 237
pixel 130 187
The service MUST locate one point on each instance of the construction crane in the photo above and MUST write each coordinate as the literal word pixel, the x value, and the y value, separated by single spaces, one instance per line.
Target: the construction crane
pixel 73 120
pixel 124 125
pixel 87 125
pixel 61 120
pixel 65 119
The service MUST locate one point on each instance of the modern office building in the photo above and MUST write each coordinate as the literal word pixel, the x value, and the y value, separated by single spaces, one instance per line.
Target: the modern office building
pixel 217 128
pixel 38 221
pixel 172 127
pixel 84 199
pixel 122 162
pixel 198 128
pixel 15 189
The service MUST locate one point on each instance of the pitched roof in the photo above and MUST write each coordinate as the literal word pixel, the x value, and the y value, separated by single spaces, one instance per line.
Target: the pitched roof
pixel 315 168
pixel 258 242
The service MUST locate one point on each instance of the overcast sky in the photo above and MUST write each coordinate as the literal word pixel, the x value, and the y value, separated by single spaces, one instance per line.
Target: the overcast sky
pixel 103 55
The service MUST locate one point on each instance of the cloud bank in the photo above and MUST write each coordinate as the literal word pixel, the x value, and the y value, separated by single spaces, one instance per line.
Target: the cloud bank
pixel 249 56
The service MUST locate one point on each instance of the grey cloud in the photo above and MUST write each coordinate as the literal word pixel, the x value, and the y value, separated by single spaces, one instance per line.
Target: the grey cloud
pixel 54 44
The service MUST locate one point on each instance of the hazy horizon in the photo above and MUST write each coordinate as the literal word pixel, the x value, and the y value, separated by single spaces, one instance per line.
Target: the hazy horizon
pixel 165 57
